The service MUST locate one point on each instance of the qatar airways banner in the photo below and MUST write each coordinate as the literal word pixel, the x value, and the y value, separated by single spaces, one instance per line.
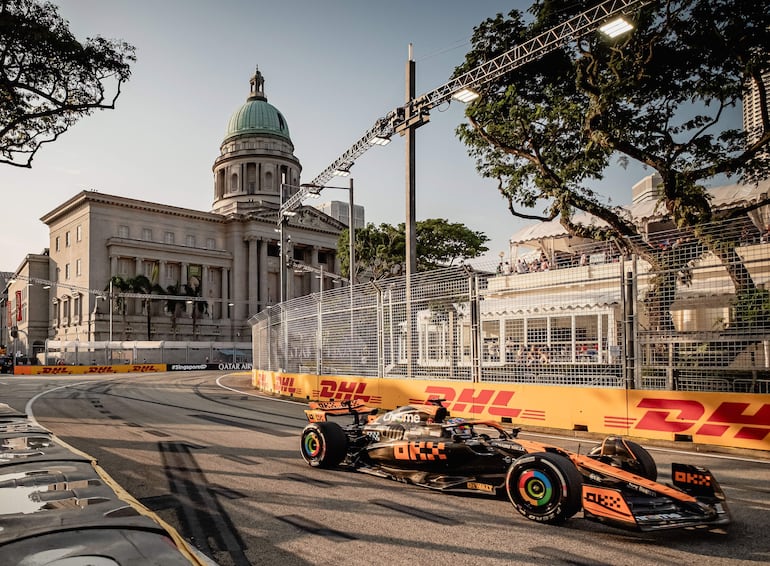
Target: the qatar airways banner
pixel 222 366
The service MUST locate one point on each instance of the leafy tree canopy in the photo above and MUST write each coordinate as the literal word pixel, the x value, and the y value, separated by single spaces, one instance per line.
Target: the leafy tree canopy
pixel 381 250
pixel 49 79
pixel 658 96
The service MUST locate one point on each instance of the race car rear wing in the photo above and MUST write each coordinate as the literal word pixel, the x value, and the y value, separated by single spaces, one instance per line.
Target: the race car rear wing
pixel 318 411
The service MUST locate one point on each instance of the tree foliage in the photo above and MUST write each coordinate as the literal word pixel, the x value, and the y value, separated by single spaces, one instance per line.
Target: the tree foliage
pixel 660 96
pixel 657 96
pixel 381 250
pixel 49 79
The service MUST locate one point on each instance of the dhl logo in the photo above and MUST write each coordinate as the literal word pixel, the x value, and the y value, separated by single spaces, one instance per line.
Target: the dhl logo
pixel 477 401
pixel 420 451
pixel 346 391
pixel 54 370
pixel 101 369
pixel 287 386
pixel 683 415
pixel 141 368
pixel 691 478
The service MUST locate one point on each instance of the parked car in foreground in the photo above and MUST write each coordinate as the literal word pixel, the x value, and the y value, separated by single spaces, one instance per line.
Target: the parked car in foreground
pixel 615 483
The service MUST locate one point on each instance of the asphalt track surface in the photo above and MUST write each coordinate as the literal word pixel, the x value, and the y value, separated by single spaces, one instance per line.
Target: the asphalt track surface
pixel 220 462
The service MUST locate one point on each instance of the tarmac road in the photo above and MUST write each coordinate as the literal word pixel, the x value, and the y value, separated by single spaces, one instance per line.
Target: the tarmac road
pixel 221 463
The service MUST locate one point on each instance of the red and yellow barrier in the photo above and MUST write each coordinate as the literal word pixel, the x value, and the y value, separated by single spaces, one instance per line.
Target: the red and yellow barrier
pixel 79 370
pixel 720 419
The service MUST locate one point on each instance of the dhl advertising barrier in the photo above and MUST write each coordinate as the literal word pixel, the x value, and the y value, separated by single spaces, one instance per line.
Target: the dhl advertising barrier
pixel 719 419
pixel 78 370
pixel 130 368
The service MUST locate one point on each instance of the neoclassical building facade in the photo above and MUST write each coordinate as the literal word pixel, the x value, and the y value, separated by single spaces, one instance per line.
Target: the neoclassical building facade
pixel 228 257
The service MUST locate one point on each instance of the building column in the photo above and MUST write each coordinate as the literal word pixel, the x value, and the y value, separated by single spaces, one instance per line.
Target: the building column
pixel 205 292
pixel 315 282
pixel 183 274
pixel 139 304
pixel 263 271
pixel 226 298
pixel 113 266
pixel 253 275
pixel 239 265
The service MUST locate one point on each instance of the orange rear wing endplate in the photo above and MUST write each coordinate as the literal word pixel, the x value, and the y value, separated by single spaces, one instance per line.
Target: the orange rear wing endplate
pixel 319 410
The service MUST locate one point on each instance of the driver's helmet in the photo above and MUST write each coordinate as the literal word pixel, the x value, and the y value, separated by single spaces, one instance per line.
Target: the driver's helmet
pixel 460 427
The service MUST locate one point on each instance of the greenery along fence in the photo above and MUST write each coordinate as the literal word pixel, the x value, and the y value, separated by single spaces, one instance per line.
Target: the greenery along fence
pixel 679 311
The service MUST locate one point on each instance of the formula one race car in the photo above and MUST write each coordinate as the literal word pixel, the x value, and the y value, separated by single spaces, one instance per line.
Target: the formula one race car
pixel 615 483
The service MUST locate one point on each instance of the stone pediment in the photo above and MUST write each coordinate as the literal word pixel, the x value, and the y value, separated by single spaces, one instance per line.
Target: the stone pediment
pixel 306 217
pixel 312 218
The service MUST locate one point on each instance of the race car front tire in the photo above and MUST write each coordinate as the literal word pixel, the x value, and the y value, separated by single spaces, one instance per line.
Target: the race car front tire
pixel 544 487
pixel 323 444
pixel 627 455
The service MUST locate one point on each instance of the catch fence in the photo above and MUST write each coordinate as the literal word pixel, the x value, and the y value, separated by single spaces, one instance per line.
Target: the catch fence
pixel 683 310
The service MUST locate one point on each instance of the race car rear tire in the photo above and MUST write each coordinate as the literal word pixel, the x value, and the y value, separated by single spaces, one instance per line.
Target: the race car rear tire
pixel 544 487
pixel 323 444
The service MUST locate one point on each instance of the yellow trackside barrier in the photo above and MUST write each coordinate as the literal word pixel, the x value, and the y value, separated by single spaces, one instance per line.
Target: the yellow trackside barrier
pixel 734 420
pixel 79 370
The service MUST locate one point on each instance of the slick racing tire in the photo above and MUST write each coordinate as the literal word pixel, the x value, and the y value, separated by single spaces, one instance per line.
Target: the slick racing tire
pixel 613 451
pixel 323 444
pixel 544 487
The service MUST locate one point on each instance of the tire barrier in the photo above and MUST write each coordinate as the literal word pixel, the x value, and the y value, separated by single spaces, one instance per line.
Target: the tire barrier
pixel 57 506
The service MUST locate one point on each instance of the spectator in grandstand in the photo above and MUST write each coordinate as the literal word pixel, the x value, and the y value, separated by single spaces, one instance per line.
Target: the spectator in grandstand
pixel 533 356
pixel 521 354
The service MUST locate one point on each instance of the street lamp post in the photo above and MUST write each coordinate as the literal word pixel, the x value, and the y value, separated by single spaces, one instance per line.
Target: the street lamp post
pixel 111 309
pixel 232 321
pixel 351 237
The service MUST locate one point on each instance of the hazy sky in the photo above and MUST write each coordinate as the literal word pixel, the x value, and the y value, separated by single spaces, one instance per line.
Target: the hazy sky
pixel 332 67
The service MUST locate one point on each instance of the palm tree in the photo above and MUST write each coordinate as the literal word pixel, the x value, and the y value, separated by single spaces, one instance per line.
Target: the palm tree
pixel 141 284
pixel 118 302
pixel 174 306
pixel 193 289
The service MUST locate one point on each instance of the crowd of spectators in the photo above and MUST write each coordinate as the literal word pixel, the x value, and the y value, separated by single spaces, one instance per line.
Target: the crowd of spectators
pixel 534 354
pixel 543 263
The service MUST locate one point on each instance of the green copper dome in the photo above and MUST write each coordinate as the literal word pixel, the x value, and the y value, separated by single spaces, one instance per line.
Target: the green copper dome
pixel 257 116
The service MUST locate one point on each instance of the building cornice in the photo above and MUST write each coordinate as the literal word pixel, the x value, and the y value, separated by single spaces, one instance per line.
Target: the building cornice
pixel 94 197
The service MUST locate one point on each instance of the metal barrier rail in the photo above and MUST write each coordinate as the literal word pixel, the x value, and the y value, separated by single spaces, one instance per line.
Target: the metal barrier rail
pixel 690 320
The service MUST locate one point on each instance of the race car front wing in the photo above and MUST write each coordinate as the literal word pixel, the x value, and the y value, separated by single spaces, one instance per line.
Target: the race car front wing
pixel 696 500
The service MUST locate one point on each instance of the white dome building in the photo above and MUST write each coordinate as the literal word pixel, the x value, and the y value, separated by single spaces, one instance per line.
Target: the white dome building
pixel 228 257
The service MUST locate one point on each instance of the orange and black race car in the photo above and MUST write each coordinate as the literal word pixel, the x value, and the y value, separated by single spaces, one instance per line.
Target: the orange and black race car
pixel 615 483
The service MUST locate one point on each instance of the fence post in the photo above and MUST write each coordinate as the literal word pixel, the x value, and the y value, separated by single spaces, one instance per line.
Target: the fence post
pixel 319 331
pixel 476 340
pixel 379 317
pixel 628 339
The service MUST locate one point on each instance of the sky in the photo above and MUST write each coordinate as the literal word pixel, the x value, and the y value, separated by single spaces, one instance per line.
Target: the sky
pixel 332 67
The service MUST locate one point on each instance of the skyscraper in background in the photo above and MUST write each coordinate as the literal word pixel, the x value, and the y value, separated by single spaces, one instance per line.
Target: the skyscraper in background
pixel 752 114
